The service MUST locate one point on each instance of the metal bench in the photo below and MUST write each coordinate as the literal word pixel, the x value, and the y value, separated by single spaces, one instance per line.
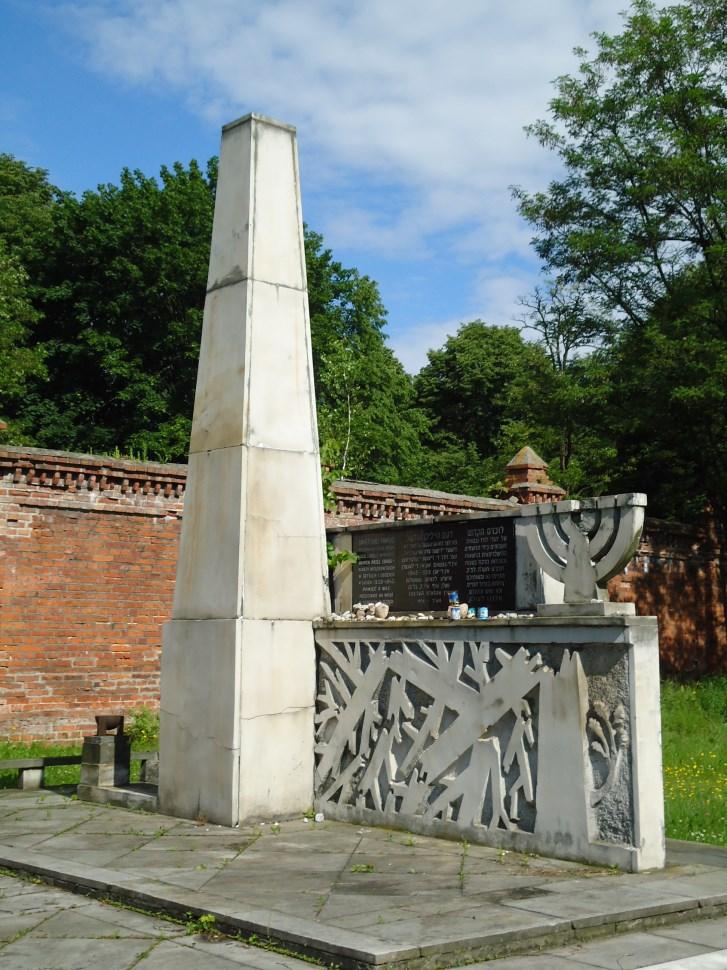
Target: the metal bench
pixel 31 771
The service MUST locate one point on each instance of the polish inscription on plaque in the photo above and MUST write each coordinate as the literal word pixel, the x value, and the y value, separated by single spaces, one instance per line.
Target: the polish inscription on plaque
pixel 413 567
pixel 376 567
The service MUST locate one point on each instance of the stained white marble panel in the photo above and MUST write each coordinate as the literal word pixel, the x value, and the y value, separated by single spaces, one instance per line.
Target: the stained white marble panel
pixel 221 398
pixel 282 403
pixel 200 720
pixel 277 251
pixel 210 557
pixel 278 667
pixel 277 758
pixel 230 252
pixel 286 570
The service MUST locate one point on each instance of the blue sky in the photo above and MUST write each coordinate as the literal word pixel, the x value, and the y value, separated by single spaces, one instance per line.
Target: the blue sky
pixel 409 115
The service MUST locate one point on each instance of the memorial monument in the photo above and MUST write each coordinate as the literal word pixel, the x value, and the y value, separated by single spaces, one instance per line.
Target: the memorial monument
pixel 533 733
pixel 537 731
pixel 238 660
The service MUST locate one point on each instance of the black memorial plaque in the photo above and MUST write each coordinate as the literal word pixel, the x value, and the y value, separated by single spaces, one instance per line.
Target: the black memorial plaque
pixel 414 567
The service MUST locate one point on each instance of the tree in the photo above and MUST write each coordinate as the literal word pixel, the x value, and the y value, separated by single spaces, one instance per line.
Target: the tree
pixel 639 222
pixel 554 394
pixel 27 202
pixel 19 362
pixel 118 290
pixel 565 321
pixel 642 137
pixel 465 392
pixel 368 424
pixel 666 410
pixel 122 291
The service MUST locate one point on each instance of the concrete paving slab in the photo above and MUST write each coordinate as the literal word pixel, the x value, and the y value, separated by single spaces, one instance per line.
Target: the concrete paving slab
pixel 472 929
pixel 709 932
pixel 426 902
pixel 240 955
pixel 15 924
pixel 41 901
pixel 705 961
pixel 125 920
pixel 172 956
pixel 81 954
pixel 591 907
pixel 540 961
pixel 679 852
pixel 630 951
pixel 83 924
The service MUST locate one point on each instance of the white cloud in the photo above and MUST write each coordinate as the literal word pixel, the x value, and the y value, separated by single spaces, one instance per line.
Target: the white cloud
pixel 411 349
pixel 423 98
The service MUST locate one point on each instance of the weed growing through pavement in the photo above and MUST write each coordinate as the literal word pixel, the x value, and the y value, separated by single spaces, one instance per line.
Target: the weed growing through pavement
pixel 363 867
pixel 204 925
pixel 462 860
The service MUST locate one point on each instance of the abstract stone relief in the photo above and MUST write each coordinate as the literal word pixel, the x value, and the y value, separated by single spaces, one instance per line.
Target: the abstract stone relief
pixel 470 734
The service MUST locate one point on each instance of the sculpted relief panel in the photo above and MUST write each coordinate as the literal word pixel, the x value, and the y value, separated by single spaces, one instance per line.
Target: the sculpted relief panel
pixel 475 736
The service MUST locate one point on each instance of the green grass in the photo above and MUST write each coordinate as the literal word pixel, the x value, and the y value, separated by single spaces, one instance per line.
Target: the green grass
pixel 694 738
pixel 56 775
pixel 60 775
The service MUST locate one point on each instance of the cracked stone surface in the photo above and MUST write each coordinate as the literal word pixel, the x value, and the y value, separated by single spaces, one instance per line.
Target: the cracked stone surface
pixel 408 897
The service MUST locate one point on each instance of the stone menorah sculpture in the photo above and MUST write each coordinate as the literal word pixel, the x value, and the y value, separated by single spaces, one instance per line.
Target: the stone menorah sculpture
pixel 582 544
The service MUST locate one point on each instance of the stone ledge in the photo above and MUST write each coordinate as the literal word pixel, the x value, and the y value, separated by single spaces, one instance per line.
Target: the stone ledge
pixel 479 626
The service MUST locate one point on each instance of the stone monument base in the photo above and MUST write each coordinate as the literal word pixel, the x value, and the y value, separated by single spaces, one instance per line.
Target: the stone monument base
pixel 538 735
pixel 236 726
pixel 139 797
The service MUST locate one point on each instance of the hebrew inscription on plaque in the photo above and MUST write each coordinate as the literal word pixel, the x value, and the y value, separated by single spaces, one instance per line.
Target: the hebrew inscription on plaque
pixel 413 567
pixel 472 735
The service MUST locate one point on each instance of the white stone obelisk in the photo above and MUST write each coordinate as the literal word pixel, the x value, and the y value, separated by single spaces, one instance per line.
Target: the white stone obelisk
pixel 238 663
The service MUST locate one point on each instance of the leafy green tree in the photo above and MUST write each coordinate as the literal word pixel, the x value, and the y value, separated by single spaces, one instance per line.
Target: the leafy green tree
pixel 666 410
pixel 118 290
pixel 27 202
pixel 552 400
pixel 465 391
pixel 368 423
pixel 642 138
pixel 19 362
pixel 122 296
pixel 639 222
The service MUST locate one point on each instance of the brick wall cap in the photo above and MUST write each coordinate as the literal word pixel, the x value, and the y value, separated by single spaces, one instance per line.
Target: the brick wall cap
pixel 347 487
pixel 12 456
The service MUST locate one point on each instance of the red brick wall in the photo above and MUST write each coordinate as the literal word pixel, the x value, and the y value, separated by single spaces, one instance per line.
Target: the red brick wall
pixel 679 575
pixel 88 550
pixel 86 579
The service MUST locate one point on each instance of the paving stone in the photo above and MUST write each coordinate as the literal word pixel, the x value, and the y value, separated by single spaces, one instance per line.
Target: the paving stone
pixel 371 920
pixel 629 951
pixel 17 886
pixel 242 955
pixel 11 924
pixel 477 924
pixel 299 884
pixel 41 901
pixel 708 885
pixel 589 907
pixel 82 924
pixel 172 956
pixel 32 954
pixel 538 961
pixel 136 924
pixel 709 932
pixel 343 904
